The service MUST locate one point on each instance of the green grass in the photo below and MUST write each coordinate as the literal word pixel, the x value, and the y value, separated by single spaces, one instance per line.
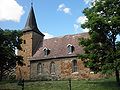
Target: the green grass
pixel 103 84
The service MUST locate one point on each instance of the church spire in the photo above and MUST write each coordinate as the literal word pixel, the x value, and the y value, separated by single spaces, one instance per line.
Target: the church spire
pixel 31 24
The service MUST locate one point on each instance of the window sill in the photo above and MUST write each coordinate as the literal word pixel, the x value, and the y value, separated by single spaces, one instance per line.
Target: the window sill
pixel 75 73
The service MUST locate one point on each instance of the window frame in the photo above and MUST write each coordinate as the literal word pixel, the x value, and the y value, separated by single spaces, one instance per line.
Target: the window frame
pixel 24 41
pixel 52 68
pixel 39 68
pixel 74 66
pixel 46 51
pixel 70 48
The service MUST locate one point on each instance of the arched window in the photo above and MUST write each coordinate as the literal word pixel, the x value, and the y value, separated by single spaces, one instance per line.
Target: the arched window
pixel 39 68
pixel 70 48
pixel 74 66
pixel 46 51
pixel 52 68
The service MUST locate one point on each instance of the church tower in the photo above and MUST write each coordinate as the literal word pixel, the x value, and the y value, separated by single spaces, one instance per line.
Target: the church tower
pixel 32 40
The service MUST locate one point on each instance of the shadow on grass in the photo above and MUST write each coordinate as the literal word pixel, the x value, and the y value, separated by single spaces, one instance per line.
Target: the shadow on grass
pixel 8 81
pixel 104 83
pixel 8 89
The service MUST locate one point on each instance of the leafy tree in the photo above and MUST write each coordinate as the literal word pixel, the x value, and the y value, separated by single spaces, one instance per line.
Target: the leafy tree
pixel 102 51
pixel 9 42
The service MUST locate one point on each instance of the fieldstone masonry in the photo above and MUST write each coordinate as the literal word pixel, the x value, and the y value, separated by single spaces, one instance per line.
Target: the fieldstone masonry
pixel 63 70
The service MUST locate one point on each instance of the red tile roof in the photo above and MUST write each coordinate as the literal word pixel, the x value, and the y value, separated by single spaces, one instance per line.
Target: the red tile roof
pixel 58 47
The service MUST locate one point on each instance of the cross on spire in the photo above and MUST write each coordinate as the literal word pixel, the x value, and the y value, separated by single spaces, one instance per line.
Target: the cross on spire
pixel 31 2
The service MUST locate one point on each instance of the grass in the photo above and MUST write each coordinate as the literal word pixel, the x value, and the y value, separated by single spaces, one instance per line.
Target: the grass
pixel 103 84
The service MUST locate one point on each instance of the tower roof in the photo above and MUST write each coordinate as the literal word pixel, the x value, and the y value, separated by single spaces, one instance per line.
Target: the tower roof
pixel 31 24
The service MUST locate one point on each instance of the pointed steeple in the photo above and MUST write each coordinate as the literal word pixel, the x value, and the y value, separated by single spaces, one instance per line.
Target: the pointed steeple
pixel 31 24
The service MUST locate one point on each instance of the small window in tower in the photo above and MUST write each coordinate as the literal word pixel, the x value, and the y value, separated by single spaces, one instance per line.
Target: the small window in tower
pixel 46 51
pixel 23 50
pixel 70 48
pixel 24 41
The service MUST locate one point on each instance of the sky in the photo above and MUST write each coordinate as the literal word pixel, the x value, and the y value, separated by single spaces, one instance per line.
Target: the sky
pixel 54 17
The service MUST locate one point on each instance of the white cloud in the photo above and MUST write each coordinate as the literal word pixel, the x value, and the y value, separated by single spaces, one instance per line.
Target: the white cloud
pixel 76 27
pixel 64 9
pixel 88 1
pixel 80 20
pixel 61 6
pixel 10 10
pixel 85 30
pixel 47 35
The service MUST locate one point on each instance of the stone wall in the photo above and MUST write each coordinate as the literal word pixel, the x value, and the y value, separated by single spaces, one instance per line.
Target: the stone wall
pixel 63 70
pixel 31 43
pixel 26 52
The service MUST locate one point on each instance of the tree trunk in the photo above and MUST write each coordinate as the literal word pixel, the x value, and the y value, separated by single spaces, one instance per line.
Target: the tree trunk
pixel 0 77
pixel 114 49
pixel 117 76
pixel 1 73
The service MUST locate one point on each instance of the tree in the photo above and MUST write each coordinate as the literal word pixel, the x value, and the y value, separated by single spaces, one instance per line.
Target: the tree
pixel 102 51
pixel 9 42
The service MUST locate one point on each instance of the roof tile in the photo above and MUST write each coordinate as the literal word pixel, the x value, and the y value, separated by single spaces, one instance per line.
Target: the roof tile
pixel 58 47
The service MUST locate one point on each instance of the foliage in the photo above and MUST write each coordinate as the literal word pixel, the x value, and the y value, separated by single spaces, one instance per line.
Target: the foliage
pixel 9 42
pixel 102 52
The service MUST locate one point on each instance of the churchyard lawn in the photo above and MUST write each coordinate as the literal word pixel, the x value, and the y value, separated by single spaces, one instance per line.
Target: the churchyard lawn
pixel 103 84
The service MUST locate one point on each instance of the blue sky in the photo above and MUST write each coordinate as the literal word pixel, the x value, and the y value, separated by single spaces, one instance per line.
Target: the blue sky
pixel 54 17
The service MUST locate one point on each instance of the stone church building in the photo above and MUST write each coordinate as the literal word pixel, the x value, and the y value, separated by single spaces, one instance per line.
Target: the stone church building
pixel 54 58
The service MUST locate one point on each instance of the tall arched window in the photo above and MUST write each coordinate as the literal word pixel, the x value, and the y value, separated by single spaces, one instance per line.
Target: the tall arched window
pixel 52 68
pixel 39 68
pixel 74 66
